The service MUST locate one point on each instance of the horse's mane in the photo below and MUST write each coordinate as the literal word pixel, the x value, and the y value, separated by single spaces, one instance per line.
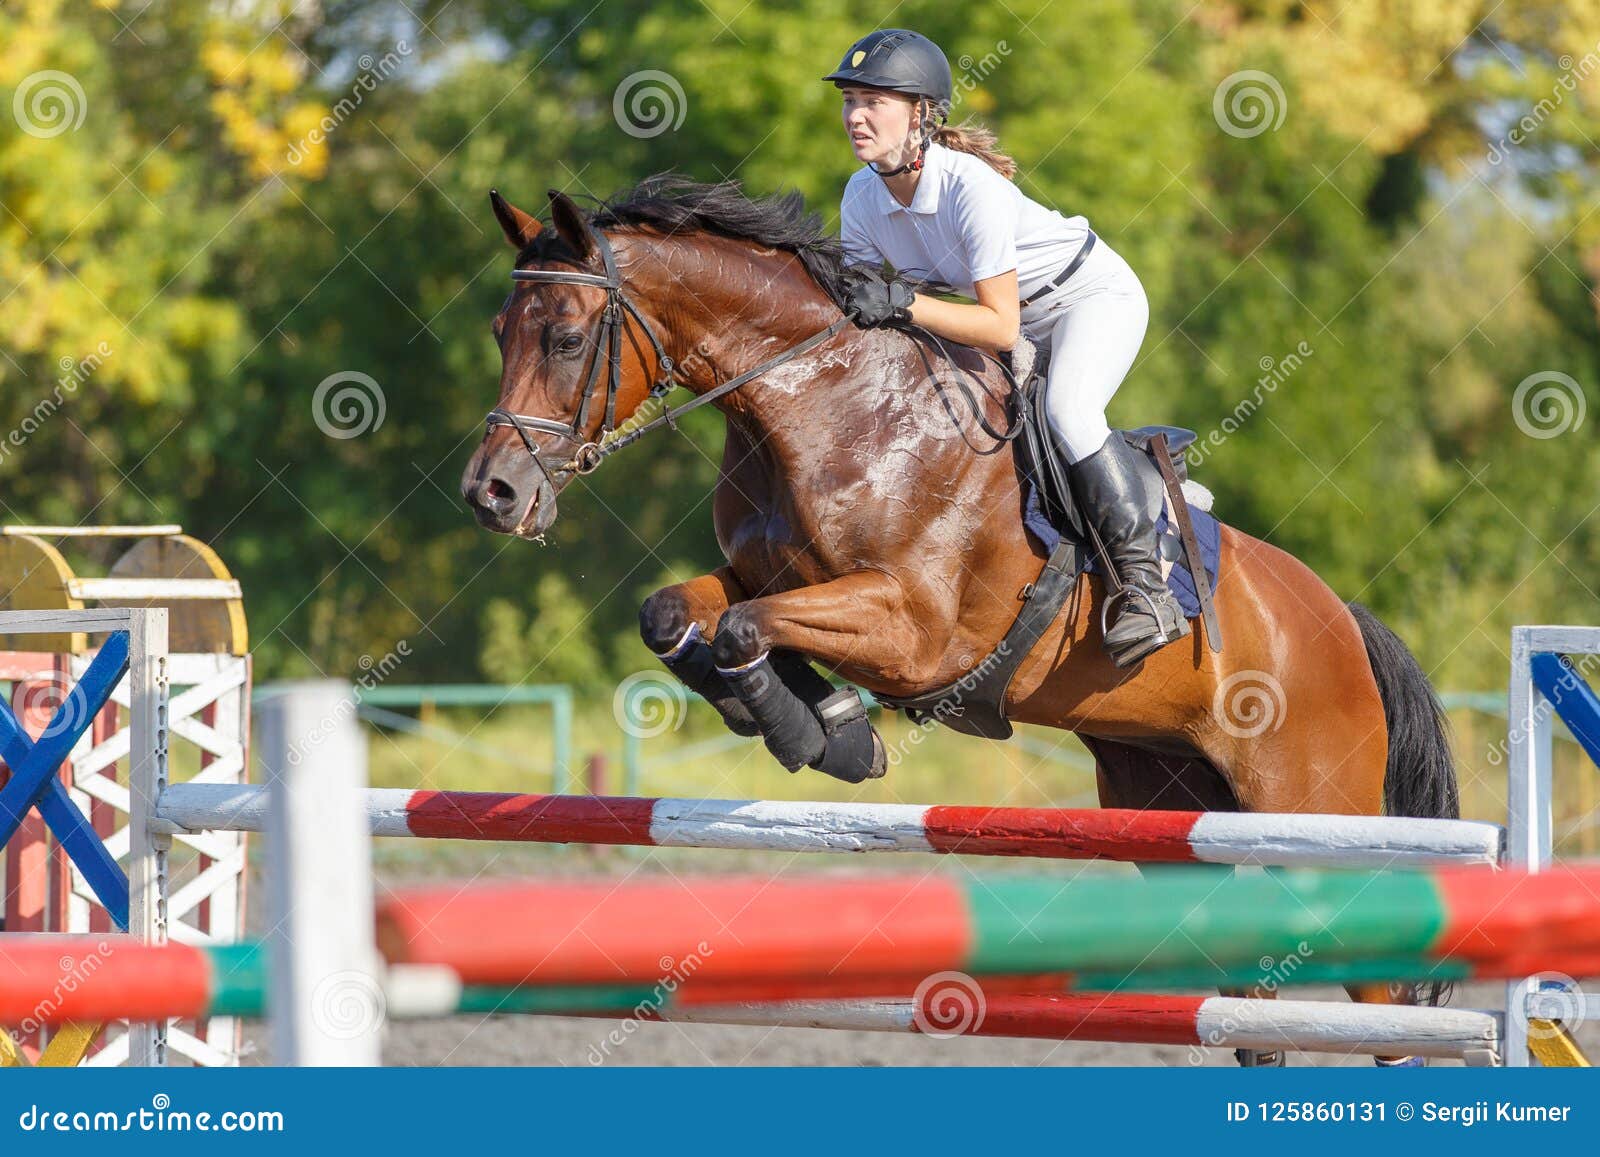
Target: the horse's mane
pixel 671 203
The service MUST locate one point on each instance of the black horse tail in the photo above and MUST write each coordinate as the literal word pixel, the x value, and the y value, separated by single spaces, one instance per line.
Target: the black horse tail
pixel 1420 776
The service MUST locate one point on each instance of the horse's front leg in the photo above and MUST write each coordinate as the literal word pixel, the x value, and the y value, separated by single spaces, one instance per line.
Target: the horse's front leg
pixel 860 620
pixel 676 622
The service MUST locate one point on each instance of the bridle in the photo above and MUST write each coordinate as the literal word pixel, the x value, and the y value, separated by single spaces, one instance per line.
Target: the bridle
pixel 589 454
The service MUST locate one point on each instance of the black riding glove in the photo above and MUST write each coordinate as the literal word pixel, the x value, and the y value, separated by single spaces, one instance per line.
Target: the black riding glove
pixel 872 301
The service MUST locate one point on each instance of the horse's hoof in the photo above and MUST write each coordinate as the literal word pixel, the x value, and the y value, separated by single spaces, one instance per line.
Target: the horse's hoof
pixel 1254 1059
pixel 854 751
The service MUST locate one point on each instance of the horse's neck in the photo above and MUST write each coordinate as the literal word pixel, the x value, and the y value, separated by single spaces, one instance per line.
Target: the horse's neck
pixel 858 418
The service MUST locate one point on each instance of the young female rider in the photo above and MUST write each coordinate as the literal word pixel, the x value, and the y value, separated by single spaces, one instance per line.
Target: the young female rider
pixel 938 204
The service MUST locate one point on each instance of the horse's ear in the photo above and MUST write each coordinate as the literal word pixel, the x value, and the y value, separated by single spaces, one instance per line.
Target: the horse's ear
pixel 520 228
pixel 571 225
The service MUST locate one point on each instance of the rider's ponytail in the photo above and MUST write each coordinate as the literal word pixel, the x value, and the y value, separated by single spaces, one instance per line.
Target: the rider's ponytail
pixel 969 137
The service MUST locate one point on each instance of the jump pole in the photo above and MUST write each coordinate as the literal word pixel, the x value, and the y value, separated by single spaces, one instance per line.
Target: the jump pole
pixel 745 929
pixel 763 825
pixel 327 980
pixel 1196 1021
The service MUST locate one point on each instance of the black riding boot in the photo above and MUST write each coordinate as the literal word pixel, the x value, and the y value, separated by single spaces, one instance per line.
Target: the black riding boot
pixel 1121 498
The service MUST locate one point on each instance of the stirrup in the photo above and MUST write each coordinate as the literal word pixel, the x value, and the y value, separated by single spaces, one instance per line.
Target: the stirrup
pixel 1150 603
pixel 1139 649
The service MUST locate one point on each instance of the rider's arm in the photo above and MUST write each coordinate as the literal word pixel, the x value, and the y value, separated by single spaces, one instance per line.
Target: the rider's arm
pixel 858 247
pixel 993 323
pixel 984 209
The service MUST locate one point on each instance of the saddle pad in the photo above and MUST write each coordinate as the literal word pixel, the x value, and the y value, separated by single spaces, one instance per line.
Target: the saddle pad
pixel 1206 531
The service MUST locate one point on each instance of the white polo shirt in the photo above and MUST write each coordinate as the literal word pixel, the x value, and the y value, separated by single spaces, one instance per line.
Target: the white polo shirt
pixel 965 223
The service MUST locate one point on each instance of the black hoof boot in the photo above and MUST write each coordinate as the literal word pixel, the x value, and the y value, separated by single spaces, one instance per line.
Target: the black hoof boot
pixel 1254 1059
pixel 787 723
pixel 854 752
pixel 692 663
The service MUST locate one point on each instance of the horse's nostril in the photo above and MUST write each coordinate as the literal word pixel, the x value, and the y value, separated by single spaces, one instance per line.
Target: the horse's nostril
pixel 499 491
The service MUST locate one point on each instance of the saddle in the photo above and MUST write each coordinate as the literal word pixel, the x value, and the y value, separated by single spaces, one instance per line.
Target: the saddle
pixel 975 703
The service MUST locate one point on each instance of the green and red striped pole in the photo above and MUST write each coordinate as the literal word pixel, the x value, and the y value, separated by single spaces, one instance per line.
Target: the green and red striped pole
pixel 59 979
pixel 722 929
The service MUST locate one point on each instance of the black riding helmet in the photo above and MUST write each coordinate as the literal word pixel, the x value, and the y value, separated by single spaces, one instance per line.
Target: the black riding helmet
pixel 899 60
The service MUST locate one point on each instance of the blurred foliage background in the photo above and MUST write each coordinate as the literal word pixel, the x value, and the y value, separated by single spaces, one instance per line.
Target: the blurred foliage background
pixel 235 201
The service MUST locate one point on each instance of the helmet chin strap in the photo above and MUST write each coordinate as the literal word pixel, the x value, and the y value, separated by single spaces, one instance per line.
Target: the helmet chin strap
pixel 915 164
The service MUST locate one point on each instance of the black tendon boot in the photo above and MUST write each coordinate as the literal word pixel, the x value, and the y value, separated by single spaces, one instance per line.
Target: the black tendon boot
pixel 690 660
pixel 804 721
pixel 854 751
pixel 1121 499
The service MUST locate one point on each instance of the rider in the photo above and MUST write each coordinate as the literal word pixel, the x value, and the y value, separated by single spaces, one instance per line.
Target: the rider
pixel 938 204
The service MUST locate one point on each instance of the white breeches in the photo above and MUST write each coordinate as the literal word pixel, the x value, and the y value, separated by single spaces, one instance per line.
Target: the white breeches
pixel 1093 327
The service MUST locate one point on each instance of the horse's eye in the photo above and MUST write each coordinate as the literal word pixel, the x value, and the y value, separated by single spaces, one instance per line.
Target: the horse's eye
pixel 570 344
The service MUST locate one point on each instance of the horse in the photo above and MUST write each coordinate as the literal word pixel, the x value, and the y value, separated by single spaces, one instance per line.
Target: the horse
pixel 869 512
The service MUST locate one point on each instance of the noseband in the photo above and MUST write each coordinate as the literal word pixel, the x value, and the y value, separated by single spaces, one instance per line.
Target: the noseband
pixel 608 337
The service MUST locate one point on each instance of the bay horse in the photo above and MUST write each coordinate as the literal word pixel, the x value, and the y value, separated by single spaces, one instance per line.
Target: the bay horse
pixel 871 526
